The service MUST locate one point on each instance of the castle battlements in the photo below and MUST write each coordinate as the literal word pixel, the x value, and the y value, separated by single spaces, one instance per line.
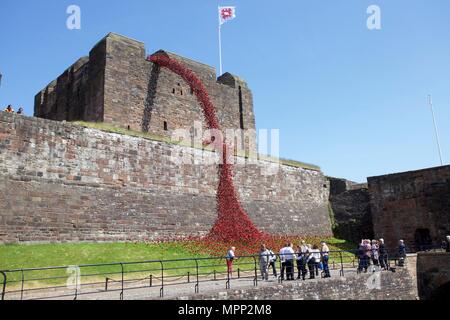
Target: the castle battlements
pixel 115 84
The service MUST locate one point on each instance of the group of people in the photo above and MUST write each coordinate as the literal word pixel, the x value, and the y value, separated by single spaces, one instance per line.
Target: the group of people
pixel 373 252
pixel 10 109
pixel 312 258
pixel 308 259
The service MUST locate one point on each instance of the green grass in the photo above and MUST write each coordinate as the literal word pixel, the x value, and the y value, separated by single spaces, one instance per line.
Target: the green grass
pixel 115 129
pixel 45 255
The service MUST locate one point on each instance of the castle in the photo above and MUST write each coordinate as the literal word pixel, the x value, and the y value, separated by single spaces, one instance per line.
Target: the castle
pixel 117 85
pixel 62 181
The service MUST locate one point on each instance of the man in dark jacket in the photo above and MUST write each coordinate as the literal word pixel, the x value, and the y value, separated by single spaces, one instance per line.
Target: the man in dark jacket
pixel 383 255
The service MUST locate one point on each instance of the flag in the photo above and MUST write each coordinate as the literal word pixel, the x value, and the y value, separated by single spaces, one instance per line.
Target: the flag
pixel 226 13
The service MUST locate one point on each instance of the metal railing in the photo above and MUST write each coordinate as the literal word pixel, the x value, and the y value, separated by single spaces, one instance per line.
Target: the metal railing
pixel 154 277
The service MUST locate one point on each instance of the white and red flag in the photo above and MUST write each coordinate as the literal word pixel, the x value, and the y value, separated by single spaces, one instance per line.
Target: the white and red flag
pixel 226 14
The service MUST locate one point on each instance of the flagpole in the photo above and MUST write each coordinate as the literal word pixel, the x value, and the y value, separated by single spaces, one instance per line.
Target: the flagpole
pixel 220 48
pixel 430 100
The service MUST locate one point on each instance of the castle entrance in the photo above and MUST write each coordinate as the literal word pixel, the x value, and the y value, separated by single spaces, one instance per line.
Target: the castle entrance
pixel 423 240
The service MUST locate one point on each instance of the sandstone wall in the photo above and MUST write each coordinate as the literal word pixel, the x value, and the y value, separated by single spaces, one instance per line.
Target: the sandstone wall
pixel 414 206
pixel 350 203
pixel 62 182
pixel 400 285
pixel 433 275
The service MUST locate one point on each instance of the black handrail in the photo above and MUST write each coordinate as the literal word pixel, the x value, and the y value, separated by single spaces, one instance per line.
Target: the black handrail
pixel 4 284
pixel 245 269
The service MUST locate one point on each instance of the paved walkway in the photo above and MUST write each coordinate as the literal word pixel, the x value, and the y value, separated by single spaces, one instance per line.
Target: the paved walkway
pixel 141 290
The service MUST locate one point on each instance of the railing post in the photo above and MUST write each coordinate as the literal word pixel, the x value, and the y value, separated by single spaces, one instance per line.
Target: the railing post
pixel 189 277
pixel 239 273
pixel 228 283
pixel 255 280
pixel 21 288
pixel 197 285
pixel 342 264
pixel 106 284
pixel 151 280
pixel 4 285
pixel 121 270
pixel 76 286
pixel 161 291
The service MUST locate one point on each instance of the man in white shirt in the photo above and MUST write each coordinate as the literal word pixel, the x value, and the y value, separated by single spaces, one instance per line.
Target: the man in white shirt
pixel 289 256
pixel 283 261
pixel 313 261
pixel 230 258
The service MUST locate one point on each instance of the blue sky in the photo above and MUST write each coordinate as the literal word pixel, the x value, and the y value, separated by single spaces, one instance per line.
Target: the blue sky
pixel 348 99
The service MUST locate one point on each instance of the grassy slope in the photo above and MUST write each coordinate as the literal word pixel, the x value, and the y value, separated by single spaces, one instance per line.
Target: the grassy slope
pixel 42 255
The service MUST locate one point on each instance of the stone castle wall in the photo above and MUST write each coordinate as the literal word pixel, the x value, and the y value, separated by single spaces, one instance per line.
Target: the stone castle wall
pixel 117 85
pixel 63 182
pixel 399 285
pixel 350 203
pixel 411 205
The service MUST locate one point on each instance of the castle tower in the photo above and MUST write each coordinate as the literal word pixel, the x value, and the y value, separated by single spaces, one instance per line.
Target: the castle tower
pixel 117 85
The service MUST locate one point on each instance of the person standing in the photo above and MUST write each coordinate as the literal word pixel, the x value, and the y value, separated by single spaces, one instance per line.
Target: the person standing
pixel 313 261
pixel 20 111
pixel 288 255
pixel 401 253
pixel 325 252
pixel 299 262
pixel 383 255
pixel 283 262
pixel 231 256
pixel 367 254
pixel 304 256
pixel 362 256
pixel 264 260
pixel 9 109
pixel 272 262
pixel 375 253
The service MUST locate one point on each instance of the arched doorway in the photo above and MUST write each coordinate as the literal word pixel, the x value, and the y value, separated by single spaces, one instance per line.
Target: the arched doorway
pixel 423 240
pixel 442 293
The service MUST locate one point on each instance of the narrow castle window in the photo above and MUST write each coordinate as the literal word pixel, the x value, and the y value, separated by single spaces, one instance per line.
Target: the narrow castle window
pixel 173 90
pixel 165 126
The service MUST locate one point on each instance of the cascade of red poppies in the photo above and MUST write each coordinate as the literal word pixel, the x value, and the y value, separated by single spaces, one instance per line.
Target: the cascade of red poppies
pixel 233 223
